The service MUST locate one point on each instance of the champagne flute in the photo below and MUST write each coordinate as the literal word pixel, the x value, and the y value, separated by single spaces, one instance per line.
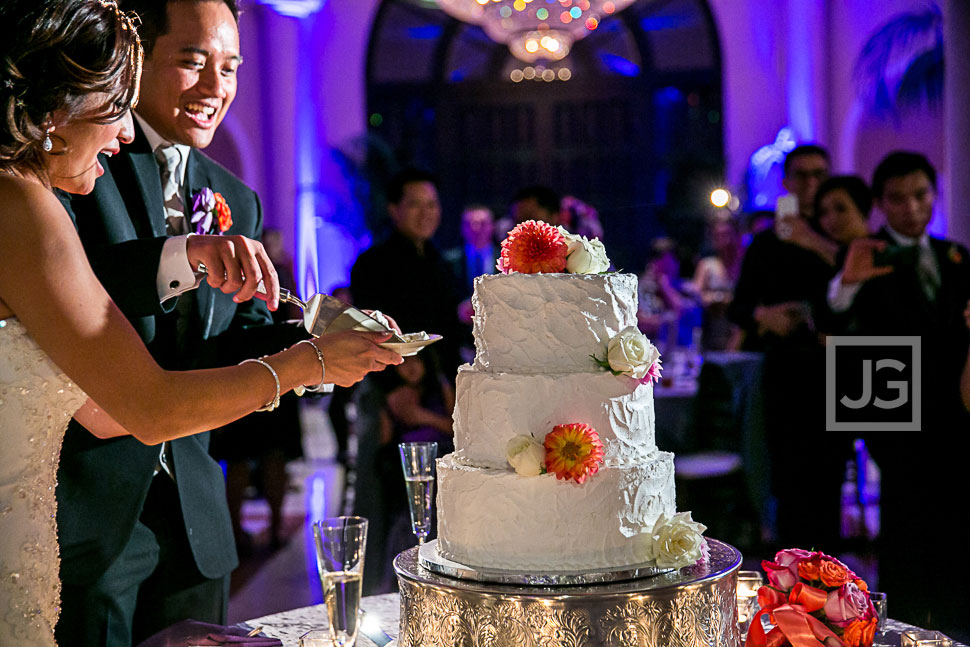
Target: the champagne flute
pixel 417 460
pixel 340 544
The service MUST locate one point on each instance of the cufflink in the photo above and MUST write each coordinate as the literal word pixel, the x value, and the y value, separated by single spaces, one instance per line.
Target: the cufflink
pixel 174 285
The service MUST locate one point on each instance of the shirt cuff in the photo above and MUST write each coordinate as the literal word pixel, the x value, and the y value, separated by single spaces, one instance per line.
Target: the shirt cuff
pixel 841 296
pixel 175 273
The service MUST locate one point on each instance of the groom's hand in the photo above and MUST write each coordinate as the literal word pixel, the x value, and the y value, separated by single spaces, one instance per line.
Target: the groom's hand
pixel 236 264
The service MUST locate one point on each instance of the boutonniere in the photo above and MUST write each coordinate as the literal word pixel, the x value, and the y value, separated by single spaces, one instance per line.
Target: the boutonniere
pixel 955 255
pixel 210 212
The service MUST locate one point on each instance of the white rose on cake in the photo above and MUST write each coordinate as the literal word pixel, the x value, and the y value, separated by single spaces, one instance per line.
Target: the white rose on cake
pixel 584 256
pixel 631 353
pixel 526 455
pixel 674 542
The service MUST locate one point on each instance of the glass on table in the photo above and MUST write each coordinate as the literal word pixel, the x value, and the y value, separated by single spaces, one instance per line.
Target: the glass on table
pixel 417 461
pixel 879 602
pixel 924 638
pixel 340 544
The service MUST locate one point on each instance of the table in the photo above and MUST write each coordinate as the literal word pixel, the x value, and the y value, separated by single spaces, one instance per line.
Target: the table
pixel 288 626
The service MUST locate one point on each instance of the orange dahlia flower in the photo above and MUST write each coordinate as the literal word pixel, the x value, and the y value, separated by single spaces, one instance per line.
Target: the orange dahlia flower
pixel 223 212
pixel 573 451
pixel 533 247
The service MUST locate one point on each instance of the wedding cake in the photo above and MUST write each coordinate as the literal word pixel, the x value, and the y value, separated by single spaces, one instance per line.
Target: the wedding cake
pixel 556 468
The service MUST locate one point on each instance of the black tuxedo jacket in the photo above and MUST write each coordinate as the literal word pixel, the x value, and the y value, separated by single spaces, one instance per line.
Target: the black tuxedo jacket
pixel 102 484
pixel 895 304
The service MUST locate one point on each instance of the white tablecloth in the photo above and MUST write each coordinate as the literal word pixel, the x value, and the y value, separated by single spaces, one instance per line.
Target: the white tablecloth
pixel 385 610
pixel 288 626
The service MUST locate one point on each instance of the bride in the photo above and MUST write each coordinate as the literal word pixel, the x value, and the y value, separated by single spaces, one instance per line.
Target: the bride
pixel 68 78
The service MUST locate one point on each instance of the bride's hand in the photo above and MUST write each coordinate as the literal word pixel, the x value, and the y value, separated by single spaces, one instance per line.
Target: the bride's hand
pixel 236 264
pixel 352 354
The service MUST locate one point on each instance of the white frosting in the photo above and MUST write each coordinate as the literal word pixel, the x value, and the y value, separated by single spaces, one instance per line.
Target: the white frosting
pixel 490 517
pixel 549 323
pixel 494 407
pixel 534 335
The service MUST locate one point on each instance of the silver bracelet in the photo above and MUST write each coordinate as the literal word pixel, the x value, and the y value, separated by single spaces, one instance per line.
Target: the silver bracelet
pixel 300 390
pixel 275 402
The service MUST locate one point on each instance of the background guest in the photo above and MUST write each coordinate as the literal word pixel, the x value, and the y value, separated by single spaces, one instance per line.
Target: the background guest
pixel 713 283
pixel 907 283
pixel 475 256
pixel 778 298
pixel 842 206
pixel 583 219
pixel 537 203
pixel 661 301
pixel 405 274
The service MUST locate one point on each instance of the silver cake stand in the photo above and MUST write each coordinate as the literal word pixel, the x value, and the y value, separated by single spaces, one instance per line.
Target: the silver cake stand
pixel 693 606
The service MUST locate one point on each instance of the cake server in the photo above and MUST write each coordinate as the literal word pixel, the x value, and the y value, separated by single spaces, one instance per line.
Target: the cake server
pixel 324 314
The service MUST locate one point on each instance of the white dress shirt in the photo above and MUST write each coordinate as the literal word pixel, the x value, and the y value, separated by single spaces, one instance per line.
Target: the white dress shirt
pixel 175 274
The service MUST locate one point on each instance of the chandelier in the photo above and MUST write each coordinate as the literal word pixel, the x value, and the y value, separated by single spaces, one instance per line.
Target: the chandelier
pixel 535 29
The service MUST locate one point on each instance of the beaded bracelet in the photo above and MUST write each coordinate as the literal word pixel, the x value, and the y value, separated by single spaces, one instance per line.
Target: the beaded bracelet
pixel 275 402
pixel 300 390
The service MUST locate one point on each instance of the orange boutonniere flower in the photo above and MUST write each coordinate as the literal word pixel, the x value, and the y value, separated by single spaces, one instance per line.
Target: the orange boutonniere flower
pixel 955 255
pixel 223 213
pixel 210 208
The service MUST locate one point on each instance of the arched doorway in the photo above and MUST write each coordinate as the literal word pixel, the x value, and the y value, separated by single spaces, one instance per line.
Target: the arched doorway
pixel 615 123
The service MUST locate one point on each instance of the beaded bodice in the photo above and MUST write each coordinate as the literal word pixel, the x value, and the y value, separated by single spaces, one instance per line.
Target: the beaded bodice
pixel 36 403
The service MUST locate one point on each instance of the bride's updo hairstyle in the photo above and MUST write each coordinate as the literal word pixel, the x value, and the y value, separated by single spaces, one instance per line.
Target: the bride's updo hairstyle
pixel 53 55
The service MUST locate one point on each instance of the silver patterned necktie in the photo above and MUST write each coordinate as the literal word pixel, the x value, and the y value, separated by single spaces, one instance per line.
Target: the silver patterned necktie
pixel 169 161
pixel 927 271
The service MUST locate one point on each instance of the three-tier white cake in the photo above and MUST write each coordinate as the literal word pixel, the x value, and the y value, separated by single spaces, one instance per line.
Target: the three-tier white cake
pixel 535 335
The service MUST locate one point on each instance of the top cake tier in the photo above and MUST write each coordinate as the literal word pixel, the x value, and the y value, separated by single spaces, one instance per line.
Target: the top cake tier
pixel 549 323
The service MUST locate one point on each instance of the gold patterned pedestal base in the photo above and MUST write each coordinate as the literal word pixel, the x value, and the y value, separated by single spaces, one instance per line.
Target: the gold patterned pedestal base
pixel 693 607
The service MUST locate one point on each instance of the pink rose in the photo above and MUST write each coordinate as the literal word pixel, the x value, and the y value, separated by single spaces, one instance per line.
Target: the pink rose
pixel 846 604
pixel 780 577
pixel 792 556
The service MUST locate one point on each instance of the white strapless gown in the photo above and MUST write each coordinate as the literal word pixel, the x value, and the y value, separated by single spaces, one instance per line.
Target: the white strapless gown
pixel 36 402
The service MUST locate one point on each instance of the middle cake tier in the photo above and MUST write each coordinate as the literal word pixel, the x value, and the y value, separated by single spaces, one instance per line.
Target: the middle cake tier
pixel 491 408
pixel 498 519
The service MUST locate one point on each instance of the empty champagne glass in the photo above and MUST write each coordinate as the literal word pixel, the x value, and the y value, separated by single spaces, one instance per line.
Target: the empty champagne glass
pixel 417 460
pixel 340 544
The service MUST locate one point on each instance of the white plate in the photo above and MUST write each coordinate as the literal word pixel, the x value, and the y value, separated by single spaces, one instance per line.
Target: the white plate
pixel 408 348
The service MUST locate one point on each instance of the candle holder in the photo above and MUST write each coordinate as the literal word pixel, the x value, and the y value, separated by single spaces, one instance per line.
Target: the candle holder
pixel 924 638
pixel 747 598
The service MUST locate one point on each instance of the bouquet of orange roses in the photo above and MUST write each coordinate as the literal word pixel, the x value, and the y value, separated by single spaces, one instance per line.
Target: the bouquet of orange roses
pixel 813 600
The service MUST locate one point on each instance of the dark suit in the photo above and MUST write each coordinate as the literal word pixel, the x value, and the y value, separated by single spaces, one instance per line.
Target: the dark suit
pixel 104 523
pixel 923 473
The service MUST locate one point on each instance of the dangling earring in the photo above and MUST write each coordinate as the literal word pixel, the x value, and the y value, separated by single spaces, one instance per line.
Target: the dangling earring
pixel 48 145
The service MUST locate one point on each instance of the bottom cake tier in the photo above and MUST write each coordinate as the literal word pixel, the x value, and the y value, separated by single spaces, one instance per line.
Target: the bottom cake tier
pixel 695 606
pixel 544 524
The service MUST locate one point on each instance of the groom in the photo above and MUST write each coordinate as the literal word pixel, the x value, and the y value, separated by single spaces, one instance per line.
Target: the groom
pixel 145 534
